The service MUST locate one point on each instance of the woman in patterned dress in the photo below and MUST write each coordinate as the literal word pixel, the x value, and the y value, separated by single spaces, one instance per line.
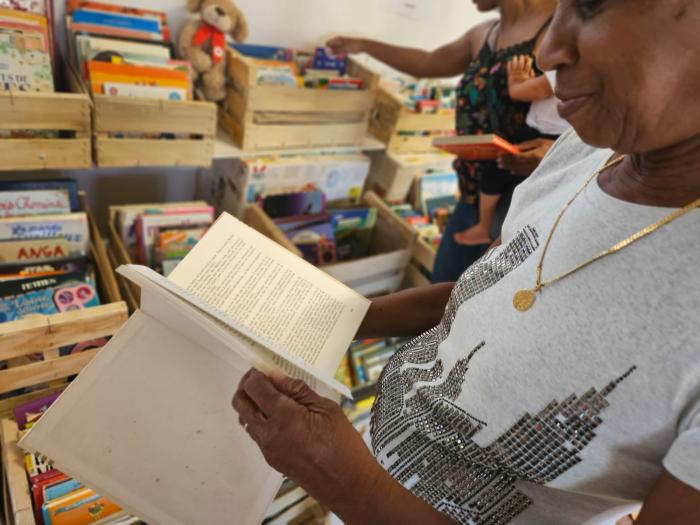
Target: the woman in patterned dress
pixel 483 106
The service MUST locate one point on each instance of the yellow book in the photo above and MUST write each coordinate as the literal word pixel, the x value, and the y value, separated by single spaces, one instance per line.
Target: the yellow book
pixel 78 508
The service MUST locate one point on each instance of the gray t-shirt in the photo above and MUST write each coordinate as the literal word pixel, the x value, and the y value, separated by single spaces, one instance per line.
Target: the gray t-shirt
pixel 557 414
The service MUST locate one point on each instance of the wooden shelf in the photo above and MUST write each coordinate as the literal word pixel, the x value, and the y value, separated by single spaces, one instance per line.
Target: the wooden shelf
pixel 224 148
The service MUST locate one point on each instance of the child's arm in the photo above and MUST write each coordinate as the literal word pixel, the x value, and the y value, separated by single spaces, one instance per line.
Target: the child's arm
pixel 522 83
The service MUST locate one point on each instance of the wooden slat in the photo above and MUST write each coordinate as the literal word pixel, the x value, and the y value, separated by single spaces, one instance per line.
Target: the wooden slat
pixel 416 122
pixel 7 405
pixel 239 69
pixel 106 277
pixel 38 154
pixel 118 255
pixel 44 371
pixel 407 232
pixel 399 144
pixel 256 218
pixel 235 104
pixel 362 269
pixel 48 111
pixel 278 98
pixel 122 153
pixel 41 333
pixel 424 254
pixel 140 115
pixel 369 77
pixel 20 501
pixel 258 137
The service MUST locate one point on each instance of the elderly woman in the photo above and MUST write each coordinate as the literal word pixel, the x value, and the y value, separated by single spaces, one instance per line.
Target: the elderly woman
pixel 590 395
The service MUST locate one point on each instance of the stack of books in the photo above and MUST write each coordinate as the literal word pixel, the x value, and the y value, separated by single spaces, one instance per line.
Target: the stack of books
pixel 125 52
pixel 44 244
pixel 161 235
pixel 323 235
pixel 58 499
pixel 365 360
pixel 280 66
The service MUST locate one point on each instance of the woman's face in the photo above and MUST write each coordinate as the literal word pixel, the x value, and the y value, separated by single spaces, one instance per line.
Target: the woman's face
pixel 487 5
pixel 628 71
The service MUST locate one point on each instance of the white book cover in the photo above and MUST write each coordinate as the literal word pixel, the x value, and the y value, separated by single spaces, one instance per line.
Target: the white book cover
pixel 34 202
pixel 149 422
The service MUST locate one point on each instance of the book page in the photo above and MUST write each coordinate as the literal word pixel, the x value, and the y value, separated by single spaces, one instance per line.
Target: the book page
pixel 170 304
pixel 282 301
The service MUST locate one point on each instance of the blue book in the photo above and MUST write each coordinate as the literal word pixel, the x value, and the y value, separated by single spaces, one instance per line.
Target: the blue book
pixel 148 25
pixel 264 52
pixel 61 489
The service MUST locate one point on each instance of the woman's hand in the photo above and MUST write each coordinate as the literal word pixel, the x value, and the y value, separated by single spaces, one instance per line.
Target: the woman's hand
pixel 531 154
pixel 306 437
pixel 342 44
pixel 309 439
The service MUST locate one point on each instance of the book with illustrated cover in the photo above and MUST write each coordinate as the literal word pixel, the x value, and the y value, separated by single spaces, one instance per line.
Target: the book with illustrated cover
pixel 476 147
pixel 73 227
pixel 60 185
pixel 25 64
pixel 34 202
pixel 237 301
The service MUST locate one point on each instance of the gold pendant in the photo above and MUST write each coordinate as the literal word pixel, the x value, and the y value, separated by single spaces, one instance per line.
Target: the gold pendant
pixel 524 300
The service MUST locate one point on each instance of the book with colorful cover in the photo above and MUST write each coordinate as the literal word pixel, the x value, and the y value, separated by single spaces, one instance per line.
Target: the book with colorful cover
pixel 78 507
pixel 476 147
pixel 32 251
pixel 72 5
pixel 88 47
pixel 25 58
pixel 103 72
pixel 37 7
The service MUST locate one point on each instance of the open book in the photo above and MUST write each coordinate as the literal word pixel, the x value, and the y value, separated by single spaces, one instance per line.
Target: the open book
pixel 149 422
pixel 476 147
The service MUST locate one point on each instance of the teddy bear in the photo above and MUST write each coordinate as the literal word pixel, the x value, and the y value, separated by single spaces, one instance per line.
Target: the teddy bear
pixel 203 42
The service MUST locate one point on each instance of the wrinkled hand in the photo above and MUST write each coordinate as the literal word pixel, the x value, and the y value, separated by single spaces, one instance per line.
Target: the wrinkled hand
pixel 342 44
pixel 531 154
pixel 306 437
pixel 520 69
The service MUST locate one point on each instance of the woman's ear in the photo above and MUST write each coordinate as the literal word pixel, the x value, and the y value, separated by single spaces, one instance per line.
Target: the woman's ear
pixel 240 30
pixel 193 6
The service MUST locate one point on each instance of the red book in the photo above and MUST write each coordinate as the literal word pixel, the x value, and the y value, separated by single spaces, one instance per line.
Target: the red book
pixel 476 147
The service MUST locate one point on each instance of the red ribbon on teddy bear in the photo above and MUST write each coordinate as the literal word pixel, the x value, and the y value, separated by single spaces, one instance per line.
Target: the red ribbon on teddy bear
pixel 206 33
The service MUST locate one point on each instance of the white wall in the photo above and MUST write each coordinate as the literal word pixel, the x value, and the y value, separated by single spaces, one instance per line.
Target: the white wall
pixel 306 23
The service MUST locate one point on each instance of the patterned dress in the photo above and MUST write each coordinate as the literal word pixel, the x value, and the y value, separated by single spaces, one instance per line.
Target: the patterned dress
pixel 484 106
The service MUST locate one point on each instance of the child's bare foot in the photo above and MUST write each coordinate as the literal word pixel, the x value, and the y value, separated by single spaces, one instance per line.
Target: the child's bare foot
pixel 474 236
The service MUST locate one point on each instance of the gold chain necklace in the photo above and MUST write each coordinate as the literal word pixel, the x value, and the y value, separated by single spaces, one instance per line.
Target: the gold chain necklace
pixel 524 300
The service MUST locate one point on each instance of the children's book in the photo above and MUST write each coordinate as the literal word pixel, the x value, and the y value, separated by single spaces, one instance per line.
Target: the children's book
pixel 476 147
pixel 60 185
pixel 171 449
pixel 78 507
pixel 32 251
pixel 73 227
pixel 34 202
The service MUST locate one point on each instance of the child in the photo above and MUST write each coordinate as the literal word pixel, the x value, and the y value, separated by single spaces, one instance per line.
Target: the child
pixel 523 86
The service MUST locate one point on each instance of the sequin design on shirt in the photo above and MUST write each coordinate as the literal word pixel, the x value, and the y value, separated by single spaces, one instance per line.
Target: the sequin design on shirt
pixel 425 440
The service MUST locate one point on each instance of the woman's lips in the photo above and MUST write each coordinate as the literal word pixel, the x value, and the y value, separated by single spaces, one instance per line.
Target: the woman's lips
pixel 568 107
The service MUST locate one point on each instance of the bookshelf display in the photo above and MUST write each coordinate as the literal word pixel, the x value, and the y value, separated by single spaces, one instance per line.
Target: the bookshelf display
pixel 281 117
pixel 390 250
pixel 68 114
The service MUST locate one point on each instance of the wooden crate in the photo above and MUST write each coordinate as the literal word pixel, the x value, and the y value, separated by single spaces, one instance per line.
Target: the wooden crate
pixel 404 131
pixel 119 255
pixel 134 116
pixel 390 250
pixel 274 117
pixel 42 335
pixel 392 175
pixel 67 113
